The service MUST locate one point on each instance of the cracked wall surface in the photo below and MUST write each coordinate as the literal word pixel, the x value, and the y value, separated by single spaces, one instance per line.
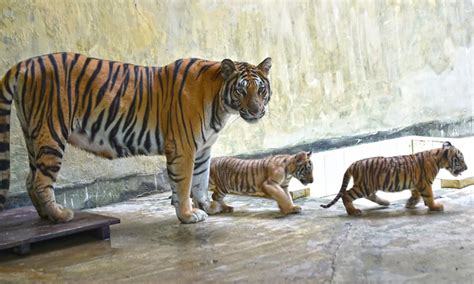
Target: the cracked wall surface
pixel 340 68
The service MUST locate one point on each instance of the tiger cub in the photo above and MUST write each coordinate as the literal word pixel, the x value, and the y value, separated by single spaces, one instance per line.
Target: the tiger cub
pixel 415 172
pixel 267 177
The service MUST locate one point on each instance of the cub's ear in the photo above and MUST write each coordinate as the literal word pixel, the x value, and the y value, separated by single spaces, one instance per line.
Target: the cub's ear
pixel 447 144
pixel 300 158
pixel 265 66
pixel 227 68
pixel 309 153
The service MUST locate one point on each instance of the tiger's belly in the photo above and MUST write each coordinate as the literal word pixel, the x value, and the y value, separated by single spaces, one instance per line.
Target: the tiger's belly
pixel 100 148
pixel 249 190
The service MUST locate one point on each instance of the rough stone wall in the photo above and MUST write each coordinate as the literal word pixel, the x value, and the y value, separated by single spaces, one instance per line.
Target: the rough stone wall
pixel 340 68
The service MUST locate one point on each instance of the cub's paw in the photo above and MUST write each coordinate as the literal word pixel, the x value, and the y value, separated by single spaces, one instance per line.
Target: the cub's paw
pixel 410 205
pixel 227 209
pixel 296 210
pixel 196 215
pixel 292 210
pixel 412 202
pixel 354 212
pixel 437 207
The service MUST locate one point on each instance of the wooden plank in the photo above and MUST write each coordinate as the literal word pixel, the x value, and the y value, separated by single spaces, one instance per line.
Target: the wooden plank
pixel 20 227
pixel 300 193
pixel 457 183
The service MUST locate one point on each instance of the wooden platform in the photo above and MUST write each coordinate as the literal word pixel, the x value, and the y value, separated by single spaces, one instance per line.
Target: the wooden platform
pixel 20 227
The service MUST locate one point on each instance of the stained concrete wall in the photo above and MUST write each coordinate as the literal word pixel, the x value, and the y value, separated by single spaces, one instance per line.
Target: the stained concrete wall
pixel 340 68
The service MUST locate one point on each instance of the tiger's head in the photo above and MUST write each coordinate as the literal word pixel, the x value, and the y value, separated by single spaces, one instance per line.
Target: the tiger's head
pixel 246 88
pixel 454 159
pixel 303 167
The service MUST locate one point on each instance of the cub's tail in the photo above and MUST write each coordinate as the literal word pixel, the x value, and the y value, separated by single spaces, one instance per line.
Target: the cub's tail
pixel 6 97
pixel 345 182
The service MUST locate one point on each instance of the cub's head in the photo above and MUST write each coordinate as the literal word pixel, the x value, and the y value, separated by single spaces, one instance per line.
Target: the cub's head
pixel 304 167
pixel 247 88
pixel 454 159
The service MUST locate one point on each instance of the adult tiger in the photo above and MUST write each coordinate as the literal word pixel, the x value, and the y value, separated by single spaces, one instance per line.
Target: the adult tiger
pixel 115 109
pixel 267 177
pixel 416 172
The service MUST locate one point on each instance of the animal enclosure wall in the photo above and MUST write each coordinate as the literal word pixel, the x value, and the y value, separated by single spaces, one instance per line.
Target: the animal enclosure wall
pixel 340 68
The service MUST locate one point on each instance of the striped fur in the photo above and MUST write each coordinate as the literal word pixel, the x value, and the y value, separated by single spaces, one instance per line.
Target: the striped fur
pixel 265 177
pixel 392 174
pixel 115 110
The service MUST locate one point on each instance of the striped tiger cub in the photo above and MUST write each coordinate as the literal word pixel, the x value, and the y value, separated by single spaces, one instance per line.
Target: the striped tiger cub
pixel 264 177
pixel 392 174
pixel 115 109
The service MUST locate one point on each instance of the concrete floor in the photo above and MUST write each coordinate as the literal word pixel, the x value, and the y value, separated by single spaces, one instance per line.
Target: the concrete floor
pixel 256 244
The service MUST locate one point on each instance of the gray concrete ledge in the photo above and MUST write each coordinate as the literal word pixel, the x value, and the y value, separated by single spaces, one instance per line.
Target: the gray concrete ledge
pixel 101 192
pixel 448 129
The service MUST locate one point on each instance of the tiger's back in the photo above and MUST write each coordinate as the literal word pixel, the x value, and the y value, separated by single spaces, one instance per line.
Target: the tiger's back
pixel 391 174
pixel 238 176
pixel 109 108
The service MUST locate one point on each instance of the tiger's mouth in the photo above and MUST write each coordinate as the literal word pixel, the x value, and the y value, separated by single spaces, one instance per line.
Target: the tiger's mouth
pixel 455 172
pixel 305 182
pixel 249 117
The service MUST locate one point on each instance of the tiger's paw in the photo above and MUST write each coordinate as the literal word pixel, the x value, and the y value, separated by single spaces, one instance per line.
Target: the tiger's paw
pixel 195 216
pixel 412 202
pixel 437 207
pixel 354 212
pixel 227 209
pixel 410 205
pixel 61 215
pixel 296 210
pixel 292 210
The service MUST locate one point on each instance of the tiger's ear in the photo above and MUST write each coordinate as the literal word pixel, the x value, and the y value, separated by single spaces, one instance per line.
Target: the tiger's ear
pixel 447 144
pixel 227 68
pixel 309 153
pixel 300 158
pixel 265 66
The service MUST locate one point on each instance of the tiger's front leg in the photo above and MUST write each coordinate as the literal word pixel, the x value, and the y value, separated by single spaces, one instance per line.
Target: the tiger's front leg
pixel 284 201
pixel 180 171
pixel 427 193
pixel 200 181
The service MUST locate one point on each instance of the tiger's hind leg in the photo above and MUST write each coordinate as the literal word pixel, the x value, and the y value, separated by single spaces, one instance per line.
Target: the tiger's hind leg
pixel 380 201
pixel 349 196
pixel 30 178
pixel 49 154
pixel 32 194
pixel 413 200
pixel 218 205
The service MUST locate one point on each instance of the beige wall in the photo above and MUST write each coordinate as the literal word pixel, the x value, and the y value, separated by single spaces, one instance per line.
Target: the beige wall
pixel 339 67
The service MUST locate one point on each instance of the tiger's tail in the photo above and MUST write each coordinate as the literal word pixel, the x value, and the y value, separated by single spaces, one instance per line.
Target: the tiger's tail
pixel 345 182
pixel 5 110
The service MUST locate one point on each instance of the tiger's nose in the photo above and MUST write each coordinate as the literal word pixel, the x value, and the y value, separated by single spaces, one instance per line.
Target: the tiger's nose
pixel 253 108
